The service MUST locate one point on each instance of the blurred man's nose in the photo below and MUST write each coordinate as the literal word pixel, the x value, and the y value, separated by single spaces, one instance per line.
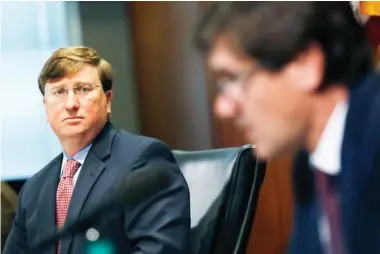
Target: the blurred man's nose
pixel 72 102
pixel 226 108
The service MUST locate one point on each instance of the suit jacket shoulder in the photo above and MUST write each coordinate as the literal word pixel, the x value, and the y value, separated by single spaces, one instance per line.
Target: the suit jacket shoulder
pixel 141 147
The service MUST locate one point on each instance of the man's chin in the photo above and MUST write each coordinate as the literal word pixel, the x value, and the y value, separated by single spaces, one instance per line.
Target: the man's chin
pixel 72 131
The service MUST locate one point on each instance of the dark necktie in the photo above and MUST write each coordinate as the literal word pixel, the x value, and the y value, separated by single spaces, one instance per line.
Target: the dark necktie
pixel 329 200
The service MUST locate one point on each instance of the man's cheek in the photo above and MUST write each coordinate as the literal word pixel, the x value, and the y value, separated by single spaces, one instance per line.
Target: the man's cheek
pixel 89 105
pixel 54 115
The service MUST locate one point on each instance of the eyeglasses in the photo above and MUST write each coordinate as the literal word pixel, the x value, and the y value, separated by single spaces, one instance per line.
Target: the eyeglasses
pixel 232 86
pixel 61 92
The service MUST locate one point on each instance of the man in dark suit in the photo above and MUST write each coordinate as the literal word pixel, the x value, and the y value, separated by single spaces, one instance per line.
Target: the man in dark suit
pixel 298 76
pixel 77 87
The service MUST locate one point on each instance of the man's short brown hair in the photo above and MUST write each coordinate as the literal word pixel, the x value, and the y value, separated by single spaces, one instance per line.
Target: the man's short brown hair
pixel 274 42
pixel 66 61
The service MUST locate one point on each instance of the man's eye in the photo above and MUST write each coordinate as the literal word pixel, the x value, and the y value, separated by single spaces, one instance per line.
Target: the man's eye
pixel 84 89
pixel 59 91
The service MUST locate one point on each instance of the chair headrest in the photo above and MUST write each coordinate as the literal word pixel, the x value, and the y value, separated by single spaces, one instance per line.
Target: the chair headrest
pixel 207 173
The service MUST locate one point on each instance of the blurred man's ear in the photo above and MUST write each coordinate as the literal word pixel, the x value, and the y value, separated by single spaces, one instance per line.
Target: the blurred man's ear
pixel 309 65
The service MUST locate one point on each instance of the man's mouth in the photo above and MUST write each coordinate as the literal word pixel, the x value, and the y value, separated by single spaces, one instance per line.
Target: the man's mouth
pixel 72 118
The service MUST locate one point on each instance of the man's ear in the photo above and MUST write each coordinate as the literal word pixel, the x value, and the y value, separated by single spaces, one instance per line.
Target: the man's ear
pixel 109 96
pixel 308 68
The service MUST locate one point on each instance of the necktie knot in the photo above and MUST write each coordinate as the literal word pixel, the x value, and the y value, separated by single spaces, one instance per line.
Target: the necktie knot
pixel 71 166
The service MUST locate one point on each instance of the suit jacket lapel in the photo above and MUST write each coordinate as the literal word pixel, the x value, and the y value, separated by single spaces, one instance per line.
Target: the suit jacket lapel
pixel 92 168
pixel 46 206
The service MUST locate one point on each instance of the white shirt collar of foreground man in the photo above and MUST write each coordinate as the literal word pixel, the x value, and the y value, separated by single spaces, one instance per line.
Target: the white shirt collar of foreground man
pixel 327 155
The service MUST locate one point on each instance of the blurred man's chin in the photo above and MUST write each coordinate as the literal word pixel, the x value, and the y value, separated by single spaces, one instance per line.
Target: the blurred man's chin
pixel 261 154
pixel 266 153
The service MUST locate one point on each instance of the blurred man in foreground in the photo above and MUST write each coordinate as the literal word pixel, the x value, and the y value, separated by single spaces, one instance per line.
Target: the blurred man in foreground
pixel 76 84
pixel 298 76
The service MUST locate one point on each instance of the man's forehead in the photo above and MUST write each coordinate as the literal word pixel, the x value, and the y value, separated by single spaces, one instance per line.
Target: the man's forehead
pixel 87 74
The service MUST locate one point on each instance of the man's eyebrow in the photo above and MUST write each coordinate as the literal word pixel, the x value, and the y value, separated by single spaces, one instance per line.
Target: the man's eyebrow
pixel 54 85
pixel 83 83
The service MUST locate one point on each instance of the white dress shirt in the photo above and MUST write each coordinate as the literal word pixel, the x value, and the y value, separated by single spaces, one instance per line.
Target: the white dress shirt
pixel 79 157
pixel 327 155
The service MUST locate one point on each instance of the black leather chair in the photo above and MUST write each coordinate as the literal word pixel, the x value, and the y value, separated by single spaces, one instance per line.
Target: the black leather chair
pixel 224 187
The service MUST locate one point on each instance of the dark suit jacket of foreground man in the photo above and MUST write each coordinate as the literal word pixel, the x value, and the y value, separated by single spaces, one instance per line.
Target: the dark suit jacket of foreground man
pixel 358 183
pixel 161 224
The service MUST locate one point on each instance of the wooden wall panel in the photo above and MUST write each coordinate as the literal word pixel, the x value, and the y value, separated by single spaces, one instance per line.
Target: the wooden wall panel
pixel 170 74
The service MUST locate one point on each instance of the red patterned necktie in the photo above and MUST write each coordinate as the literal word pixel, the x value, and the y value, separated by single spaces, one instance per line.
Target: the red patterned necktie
pixel 64 192
pixel 330 205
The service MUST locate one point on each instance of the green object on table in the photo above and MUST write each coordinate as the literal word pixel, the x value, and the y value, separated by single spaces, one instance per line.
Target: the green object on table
pixel 101 247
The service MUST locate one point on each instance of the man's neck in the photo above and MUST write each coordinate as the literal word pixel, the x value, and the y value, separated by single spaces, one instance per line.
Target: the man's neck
pixel 324 105
pixel 73 145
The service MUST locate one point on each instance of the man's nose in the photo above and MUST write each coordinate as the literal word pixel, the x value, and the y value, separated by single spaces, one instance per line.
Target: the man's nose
pixel 72 102
pixel 226 108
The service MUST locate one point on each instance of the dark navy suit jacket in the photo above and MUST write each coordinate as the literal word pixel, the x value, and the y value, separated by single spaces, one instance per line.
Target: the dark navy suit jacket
pixel 358 182
pixel 161 224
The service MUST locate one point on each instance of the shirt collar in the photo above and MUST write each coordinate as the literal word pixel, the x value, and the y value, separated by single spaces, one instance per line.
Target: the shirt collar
pixel 79 157
pixel 326 156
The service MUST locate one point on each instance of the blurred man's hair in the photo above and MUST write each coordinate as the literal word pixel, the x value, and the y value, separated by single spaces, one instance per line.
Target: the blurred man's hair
pixel 274 33
pixel 67 61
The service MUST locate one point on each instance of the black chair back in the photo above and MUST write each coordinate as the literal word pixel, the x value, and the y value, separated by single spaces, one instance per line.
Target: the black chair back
pixel 224 188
